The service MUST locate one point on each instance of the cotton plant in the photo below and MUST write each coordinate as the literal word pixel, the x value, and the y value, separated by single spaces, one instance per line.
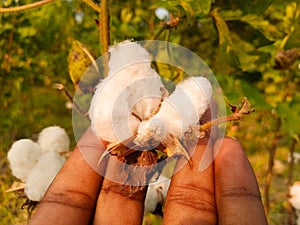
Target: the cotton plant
pixel 37 163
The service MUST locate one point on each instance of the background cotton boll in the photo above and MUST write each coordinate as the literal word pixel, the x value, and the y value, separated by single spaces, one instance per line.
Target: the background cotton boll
pixel 54 139
pixel 295 195
pixel 156 194
pixel 42 174
pixel 22 157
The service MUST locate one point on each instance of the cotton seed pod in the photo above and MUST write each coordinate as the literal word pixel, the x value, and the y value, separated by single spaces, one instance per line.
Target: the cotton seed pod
pixel 54 139
pixel 132 87
pixel 181 110
pixel 42 174
pixel 22 157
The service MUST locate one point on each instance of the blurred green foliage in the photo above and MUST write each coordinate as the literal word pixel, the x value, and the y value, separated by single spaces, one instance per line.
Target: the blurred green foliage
pixel 239 40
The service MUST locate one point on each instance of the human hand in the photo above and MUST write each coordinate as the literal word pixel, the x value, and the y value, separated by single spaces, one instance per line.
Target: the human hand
pixel 224 193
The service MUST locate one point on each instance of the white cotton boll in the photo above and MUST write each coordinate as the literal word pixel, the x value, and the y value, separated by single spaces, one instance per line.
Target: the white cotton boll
pixel 295 201
pixel 109 112
pixel 132 87
pixel 126 53
pixel 295 189
pixel 41 176
pixel 181 110
pixel 22 157
pixel 295 195
pixel 156 193
pixel 54 139
pixel 154 129
pixel 199 91
pixel 145 94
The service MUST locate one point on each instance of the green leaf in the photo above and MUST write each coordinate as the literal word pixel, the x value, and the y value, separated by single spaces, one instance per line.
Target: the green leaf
pixel 225 40
pixel 192 8
pixel 254 96
pixel 79 60
pixel 289 118
pixel 246 6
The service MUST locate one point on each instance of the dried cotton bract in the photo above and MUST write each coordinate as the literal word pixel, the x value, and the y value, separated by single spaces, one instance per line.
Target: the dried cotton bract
pixel 130 93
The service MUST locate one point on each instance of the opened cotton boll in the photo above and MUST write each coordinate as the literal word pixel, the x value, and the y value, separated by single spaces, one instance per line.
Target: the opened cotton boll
pixel 54 139
pixel 156 195
pixel 42 174
pixel 180 111
pixel 22 156
pixel 121 100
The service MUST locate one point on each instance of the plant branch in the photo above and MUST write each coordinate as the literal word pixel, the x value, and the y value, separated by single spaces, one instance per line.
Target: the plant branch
pixel 93 5
pixel 237 114
pixel 25 7
pixel 61 88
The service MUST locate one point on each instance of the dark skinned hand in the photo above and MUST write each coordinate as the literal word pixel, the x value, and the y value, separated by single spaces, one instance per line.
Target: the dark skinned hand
pixel 225 193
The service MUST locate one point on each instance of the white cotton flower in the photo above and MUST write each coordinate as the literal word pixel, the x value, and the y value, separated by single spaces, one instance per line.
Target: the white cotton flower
pixel 131 87
pixel 54 139
pixel 156 194
pixel 22 157
pixel 181 110
pixel 43 173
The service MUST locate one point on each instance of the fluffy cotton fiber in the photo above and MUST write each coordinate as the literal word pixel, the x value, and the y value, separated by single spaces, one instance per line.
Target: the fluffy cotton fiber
pixel 131 86
pixel 22 156
pixel 178 112
pixel 43 173
pixel 54 139
pixel 156 193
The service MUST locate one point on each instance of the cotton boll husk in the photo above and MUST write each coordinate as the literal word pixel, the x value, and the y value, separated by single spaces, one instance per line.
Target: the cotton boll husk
pixel 43 173
pixel 54 139
pixel 156 193
pixel 22 157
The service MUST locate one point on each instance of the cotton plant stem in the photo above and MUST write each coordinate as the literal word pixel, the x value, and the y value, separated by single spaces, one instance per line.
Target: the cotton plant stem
pixel 25 7
pixel 272 152
pixel 104 33
pixel 221 120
